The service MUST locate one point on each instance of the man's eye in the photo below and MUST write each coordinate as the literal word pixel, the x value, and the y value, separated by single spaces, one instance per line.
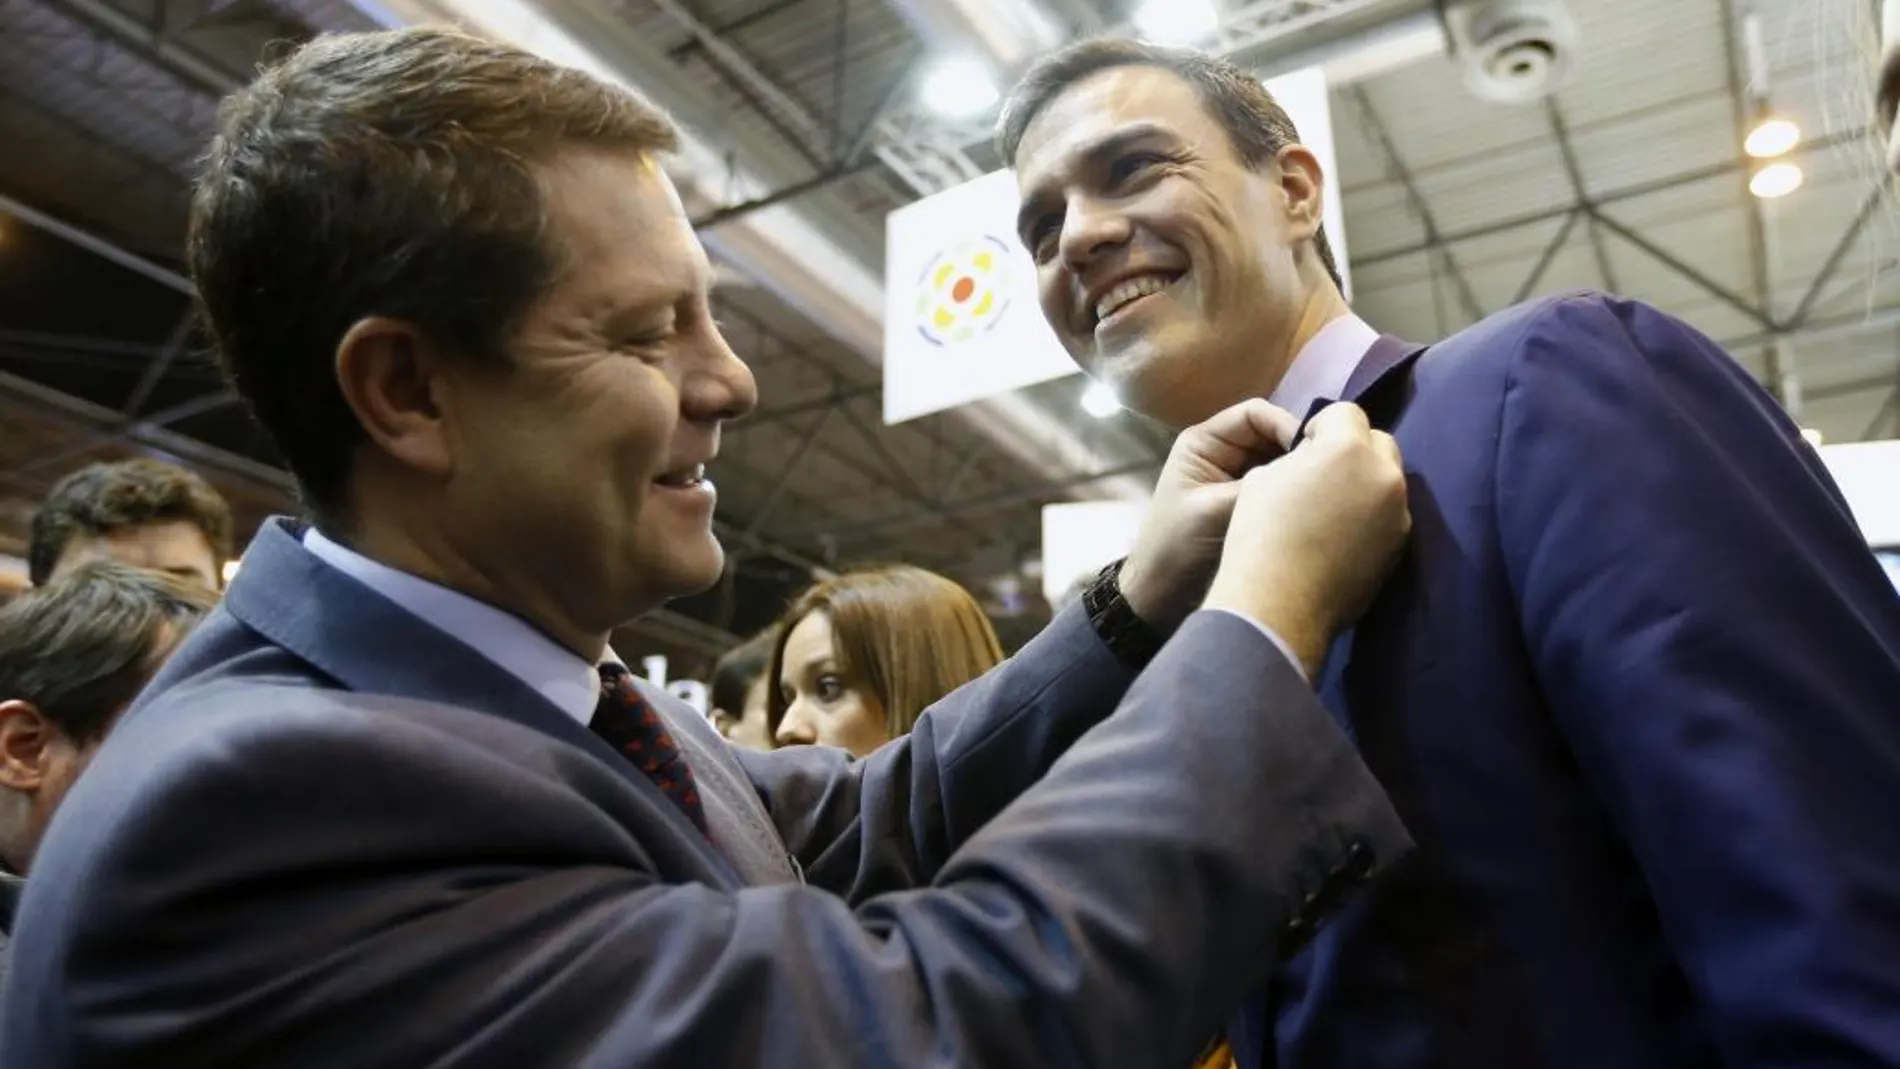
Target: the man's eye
pixel 1131 165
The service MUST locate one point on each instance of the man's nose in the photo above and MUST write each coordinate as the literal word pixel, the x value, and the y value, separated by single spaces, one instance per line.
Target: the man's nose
pixel 1089 229
pixel 721 387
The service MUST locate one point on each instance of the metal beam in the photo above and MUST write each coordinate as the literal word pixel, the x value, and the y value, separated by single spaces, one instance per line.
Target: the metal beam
pixel 897 521
pixel 782 481
pixel 1574 171
pixel 1549 254
pixel 1873 200
pixel 156 370
pixel 98 246
pixel 1397 169
pixel 831 175
pixel 125 428
pixel 1667 259
pixel 1640 189
pixel 765 417
pixel 187 65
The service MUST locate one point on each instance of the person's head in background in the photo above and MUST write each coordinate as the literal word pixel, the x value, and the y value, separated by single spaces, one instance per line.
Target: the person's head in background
pixel 861 656
pixel 73 655
pixel 457 288
pixel 738 692
pixel 144 513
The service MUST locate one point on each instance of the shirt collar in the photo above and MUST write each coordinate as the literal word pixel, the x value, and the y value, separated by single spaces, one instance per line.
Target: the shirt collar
pixel 557 674
pixel 1324 364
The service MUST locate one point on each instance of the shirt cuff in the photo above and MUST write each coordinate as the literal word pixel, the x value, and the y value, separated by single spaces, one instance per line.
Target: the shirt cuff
pixel 1278 642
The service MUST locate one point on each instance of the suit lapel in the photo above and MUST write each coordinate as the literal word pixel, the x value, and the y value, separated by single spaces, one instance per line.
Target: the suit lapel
pixel 1378 382
pixel 371 645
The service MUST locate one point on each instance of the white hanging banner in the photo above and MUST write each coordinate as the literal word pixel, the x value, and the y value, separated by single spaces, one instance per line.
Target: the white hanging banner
pixel 961 318
pixel 1079 537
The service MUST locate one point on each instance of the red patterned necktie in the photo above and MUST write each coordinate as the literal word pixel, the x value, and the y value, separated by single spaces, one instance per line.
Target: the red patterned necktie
pixel 631 726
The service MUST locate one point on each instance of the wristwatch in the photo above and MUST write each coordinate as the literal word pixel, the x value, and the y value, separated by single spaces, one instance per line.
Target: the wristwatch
pixel 1132 640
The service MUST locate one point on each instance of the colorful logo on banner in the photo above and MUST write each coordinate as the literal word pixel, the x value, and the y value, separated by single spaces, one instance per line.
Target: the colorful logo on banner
pixel 963 291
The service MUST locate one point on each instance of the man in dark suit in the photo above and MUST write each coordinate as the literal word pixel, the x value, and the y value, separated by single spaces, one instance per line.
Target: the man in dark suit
pixel 1633 690
pixel 73 655
pixel 384 810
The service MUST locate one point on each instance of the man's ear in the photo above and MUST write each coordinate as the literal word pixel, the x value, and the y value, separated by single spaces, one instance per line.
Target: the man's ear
pixel 26 742
pixel 1302 180
pixel 391 377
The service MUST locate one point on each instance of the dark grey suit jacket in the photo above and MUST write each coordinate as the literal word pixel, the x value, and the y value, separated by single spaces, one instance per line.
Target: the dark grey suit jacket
pixel 330 835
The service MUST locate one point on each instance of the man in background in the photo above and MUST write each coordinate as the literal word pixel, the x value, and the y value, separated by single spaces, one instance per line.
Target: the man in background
pixel 140 512
pixel 737 692
pixel 73 654
pixel 1633 690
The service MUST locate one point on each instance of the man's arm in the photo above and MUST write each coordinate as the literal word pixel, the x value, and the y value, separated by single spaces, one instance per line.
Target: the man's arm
pixel 314 885
pixel 890 821
pixel 1723 653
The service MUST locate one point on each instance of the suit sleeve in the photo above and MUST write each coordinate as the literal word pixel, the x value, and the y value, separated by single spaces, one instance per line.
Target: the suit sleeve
pixel 1722 653
pixel 319 892
pixel 891 820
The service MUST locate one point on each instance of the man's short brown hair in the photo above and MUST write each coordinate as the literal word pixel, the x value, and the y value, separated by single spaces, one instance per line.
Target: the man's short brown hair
pixel 81 648
pixel 98 500
pixel 383 174
pixel 1256 124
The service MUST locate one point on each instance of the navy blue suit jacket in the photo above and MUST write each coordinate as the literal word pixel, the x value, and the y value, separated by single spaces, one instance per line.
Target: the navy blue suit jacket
pixel 332 836
pixel 1636 694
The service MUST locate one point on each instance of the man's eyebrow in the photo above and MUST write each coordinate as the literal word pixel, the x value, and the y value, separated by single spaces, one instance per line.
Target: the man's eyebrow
pixel 1092 155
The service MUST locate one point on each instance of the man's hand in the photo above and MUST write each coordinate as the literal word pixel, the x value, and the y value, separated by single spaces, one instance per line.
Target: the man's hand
pixel 1179 545
pixel 1314 535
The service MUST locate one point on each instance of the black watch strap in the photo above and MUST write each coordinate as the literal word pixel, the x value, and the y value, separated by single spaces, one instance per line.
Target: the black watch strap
pixel 1132 640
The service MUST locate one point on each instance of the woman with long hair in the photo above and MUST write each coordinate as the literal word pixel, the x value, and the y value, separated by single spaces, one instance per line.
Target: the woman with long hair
pixel 859 657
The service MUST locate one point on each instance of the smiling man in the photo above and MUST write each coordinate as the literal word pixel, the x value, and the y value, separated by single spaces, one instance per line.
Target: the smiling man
pixel 1633 690
pixel 384 809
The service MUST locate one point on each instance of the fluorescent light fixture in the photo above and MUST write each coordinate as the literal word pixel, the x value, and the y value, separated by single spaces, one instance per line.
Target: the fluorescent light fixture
pixel 1775 180
pixel 1176 22
pixel 1100 401
pixel 959 88
pixel 1771 138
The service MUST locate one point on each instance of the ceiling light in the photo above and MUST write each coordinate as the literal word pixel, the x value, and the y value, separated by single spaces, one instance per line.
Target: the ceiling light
pixel 1775 180
pixel 1100 401
pixel 1771 138
pixel 959 89
pixel 1813 437
pixel 1176 22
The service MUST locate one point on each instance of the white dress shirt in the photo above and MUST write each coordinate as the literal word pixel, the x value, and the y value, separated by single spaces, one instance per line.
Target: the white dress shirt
pixel 1324 364
pixel 507 641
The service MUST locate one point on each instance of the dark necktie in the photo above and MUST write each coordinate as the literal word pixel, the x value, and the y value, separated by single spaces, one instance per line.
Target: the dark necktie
pixel 630 725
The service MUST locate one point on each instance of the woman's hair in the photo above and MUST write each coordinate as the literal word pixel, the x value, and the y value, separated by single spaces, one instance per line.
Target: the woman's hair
pixel 907 635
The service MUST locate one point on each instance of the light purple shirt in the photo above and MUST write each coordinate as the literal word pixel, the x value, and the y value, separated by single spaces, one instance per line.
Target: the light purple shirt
pixel 1324 364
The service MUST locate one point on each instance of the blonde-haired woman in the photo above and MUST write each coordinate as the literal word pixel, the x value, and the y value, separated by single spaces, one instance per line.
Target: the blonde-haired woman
pixel 861 656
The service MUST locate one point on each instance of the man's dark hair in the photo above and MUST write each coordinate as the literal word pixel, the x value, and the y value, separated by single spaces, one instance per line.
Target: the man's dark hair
pixel 104 498
pixel 1256 124
pixel 734 674
pixel 384 174
pixel 81 648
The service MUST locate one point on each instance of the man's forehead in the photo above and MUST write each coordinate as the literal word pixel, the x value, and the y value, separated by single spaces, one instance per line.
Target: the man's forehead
pixel 1103 104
